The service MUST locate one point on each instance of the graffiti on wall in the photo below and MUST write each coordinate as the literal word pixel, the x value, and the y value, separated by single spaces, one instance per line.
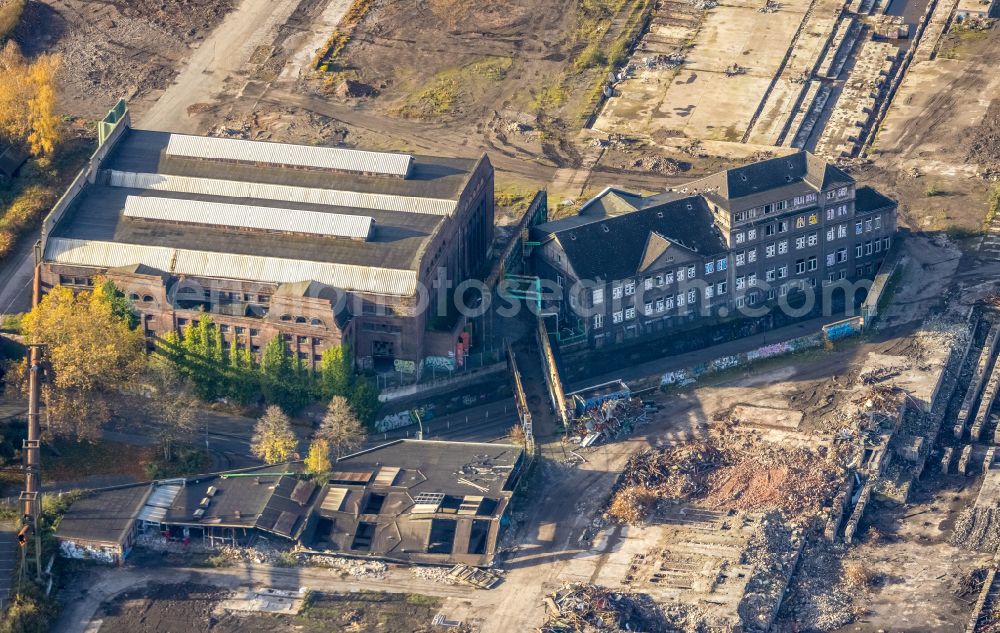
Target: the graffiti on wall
pixel 444 363
pixel 842 329
pixel 691 375
pixel 394 421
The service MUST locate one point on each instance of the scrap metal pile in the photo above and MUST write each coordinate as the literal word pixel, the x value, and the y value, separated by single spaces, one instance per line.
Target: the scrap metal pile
pixel 585 608
pixel 608 421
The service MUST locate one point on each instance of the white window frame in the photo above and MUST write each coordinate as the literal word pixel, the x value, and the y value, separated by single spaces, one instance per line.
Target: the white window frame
pixel 598 321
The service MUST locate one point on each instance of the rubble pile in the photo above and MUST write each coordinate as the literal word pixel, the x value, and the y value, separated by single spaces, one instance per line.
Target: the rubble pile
pixel 760 475
pixel 773 551
pixel 437 574
pixel 819 598
pixel 261 554
pixel 350 566
pixel 978 528
pixel 585 608
pixel 743 473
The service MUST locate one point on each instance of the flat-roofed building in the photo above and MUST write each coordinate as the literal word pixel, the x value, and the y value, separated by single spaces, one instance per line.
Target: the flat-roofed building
pixel 317 244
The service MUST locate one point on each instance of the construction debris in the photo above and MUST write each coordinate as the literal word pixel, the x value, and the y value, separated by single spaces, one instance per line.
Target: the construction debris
pixel 608 421
pixel 350 566
pixel 480 578
pixel 585 608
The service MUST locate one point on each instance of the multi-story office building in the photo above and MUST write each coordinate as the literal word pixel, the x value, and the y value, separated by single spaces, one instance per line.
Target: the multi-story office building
pixel 791 232
pixel 319 245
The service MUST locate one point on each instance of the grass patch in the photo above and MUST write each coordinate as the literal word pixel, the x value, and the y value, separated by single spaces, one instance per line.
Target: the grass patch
pixel 959 39
pixel 993 205
pixel 934 190
pixel 446 91
pixel 77 460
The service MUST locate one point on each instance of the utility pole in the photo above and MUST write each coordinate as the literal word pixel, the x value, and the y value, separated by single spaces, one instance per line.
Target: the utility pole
pixel 31 505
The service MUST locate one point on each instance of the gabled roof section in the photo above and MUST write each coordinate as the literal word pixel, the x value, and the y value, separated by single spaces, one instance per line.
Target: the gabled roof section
pixel 611 202
pixel 616 247
pixel 656 246
pixel 802 168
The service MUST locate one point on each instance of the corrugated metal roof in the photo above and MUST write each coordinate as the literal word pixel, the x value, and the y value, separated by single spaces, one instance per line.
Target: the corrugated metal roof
pixel 162 497
pixel 229 149
pixel 247 216
pixel 101 254
pixel 287 193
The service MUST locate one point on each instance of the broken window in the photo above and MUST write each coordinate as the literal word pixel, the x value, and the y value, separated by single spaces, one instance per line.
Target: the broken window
pixel 442 536
pixel 478 536
pixel 363 537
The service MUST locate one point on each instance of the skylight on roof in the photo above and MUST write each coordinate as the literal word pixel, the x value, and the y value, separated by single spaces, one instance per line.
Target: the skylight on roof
pixel 331 158
pixel 357 227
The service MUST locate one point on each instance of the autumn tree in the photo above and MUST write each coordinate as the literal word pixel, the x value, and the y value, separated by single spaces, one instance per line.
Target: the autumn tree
pixel 28 100
pixel 42 119
pixel 92 354
pixel 341 427
pixel 318 459
pixel 273 439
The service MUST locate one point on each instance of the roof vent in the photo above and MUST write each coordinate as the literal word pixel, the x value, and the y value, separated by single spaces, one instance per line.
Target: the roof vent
pixel 659 214
pixel 605 227
pixel 572 236
pixel 199 513
pixel 204 502
pixel 690 206
pixel 211 491
pixel 743 177
pixel 788 178
pixel 790 164
pixel 237 514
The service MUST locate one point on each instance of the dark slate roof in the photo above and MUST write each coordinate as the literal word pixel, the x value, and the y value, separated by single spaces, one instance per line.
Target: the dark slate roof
pixel 239 501
pixel 439 463
pixel 867 199
pixel 615 247
pixel 103 517
pixel 800 171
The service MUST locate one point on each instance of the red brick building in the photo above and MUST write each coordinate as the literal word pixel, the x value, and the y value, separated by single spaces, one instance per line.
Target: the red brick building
pixel 320 245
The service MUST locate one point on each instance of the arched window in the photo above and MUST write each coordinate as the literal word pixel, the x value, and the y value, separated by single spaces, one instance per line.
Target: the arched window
pixel 300 319
pixel 133 297
pixel 286 317
pixel 147 298
pixel 316 321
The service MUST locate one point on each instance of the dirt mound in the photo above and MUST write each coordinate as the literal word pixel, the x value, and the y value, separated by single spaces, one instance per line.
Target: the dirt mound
pixel 351 89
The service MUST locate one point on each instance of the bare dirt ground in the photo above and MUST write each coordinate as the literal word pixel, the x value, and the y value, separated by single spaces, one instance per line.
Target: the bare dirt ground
pixel 941 136
pixel 164 608
pixel 117 48
pixel 920 573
